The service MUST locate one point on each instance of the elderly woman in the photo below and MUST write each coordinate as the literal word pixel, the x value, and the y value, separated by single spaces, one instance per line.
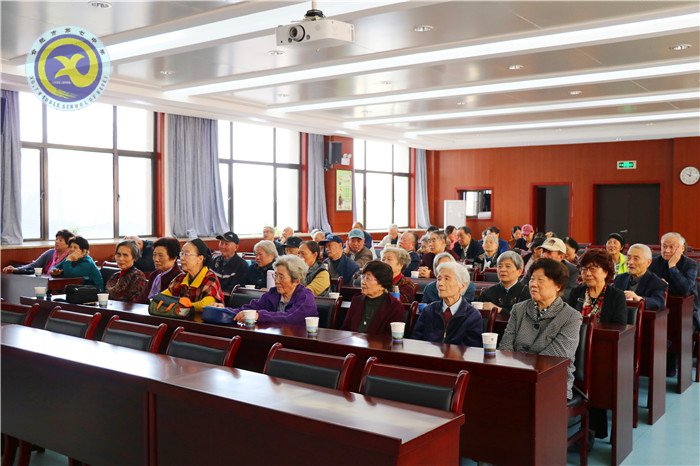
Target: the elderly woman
pixel 392 238
pixel 488 258
pixel 614 247
pixel 451 319
pixel 397 259
pixel 130 283
pixel 265 255
pixel 509 290
pixel 430 292
pixel 196 281
pixel 374 309
pixel 572 248
pixel 317 278
pixel 437 244
pixel 165 253
pixel 288 302
pixel 48 259
pixel 78 263
pixel 545 324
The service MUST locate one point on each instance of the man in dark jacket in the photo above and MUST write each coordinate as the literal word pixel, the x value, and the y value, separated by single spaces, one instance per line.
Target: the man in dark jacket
pixel 451 319
pixel 639 283
pixel 465 247
pixel 229 267
pixel 408 242
pixel 339 265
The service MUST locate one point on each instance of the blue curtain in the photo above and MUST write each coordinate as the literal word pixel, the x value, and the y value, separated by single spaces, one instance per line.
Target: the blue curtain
pixel 196 201
pixel 316 215
pixel 11 214
pixel 422 211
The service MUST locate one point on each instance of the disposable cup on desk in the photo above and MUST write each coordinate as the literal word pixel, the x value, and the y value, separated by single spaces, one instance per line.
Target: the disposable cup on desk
pixel 40 292
pixel 334 295
pixel 249 317
pixel 397 330
pixel 102 299
pixel 414 274
pixel 477 305
pixel 250 287
pixel 38 271
pixel 490 341
pixel 312 325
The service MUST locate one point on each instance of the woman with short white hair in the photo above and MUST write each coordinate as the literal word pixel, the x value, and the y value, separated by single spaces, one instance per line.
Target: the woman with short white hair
pixel 430 292
pixel 265 255
pixel 451 319
pixel 398 259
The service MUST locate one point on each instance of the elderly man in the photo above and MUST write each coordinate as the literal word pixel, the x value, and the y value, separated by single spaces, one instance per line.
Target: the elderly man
pixel 437 244
pixel 451 319
pixel 229 267
pixel 367 236
pixel 291 245
pixel 503 245
pixel 465 247
pixel 408 242
pixel 145 262
pixel 554 248
pixel 268 234
pixel 356 249
pixel 286 234
pixel 339 265
pixel 392 238
pixel 640 283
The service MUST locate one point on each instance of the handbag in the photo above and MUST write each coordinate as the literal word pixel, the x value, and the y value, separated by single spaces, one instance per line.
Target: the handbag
pixel 217 315
pixel 170 306
pixel 80 294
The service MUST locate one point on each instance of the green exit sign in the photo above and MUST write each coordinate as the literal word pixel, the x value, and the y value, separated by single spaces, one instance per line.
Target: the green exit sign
pixel 626 164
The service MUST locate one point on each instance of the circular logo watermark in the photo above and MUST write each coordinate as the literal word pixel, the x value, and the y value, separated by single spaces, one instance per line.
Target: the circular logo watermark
pixel 68 68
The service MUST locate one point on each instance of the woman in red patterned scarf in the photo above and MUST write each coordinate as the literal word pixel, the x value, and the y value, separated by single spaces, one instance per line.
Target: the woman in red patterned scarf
pixel 130 283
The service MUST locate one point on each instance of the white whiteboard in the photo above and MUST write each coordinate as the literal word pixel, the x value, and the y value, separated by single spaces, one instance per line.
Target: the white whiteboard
pixel 455 213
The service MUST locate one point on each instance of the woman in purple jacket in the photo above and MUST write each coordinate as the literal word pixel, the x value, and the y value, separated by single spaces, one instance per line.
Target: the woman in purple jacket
pixel 289 302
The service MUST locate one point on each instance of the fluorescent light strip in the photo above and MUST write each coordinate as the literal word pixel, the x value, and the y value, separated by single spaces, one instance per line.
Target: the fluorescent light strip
pixel 556 81
pixel 232 27
pixel 558 124
pixel 647 99
pixel 550 41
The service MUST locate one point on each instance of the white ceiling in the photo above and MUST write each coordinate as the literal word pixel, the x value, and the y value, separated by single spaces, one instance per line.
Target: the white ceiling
pixel 230 43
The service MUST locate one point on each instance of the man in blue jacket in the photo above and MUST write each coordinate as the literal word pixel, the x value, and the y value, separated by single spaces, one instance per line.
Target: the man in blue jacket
pixel 339 265
pixel 451 319
pixel 639 283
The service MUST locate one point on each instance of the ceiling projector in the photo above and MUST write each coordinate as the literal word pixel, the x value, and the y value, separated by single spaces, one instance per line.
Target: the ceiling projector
pixel 316 31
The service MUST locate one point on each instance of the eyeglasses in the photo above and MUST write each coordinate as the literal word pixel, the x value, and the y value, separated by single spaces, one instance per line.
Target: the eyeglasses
pixel 589 269
pixel 367 278
pixel 185 255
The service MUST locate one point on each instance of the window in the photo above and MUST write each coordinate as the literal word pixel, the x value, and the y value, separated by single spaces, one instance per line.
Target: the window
pixel 478 203
pixel 381 184
pixel 259 170
pixel 71 163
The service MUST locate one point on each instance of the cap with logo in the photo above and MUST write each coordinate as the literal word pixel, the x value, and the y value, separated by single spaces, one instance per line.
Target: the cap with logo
pixel 356 233
pixel 293 242
pixel 527 229
pixel 331 239
pixel 554 244
pixel 229 236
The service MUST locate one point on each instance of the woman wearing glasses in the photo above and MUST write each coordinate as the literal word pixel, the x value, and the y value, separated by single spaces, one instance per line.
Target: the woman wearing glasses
pixel 288 302
pixel 196 281
pixel 374 309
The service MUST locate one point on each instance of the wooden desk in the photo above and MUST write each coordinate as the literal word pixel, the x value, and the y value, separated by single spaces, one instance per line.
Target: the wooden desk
pixel 653 361
pixel 226 414
pixel 527 389
pixel 13 286
pixel 680 334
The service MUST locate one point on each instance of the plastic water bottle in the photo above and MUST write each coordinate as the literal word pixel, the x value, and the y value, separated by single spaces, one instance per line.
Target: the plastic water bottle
pixel 270 279
pixel 395 293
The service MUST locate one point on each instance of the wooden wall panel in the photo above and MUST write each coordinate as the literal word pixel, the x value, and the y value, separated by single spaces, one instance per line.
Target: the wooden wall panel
pixel 685 200
pixel 339 221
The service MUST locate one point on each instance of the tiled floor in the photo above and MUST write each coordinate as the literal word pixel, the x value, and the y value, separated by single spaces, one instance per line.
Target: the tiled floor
pixel 673 440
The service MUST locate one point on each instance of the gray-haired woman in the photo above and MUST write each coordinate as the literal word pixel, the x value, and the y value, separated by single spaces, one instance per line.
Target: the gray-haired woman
pixel 265 255
pixel 130 283
pixel 509 290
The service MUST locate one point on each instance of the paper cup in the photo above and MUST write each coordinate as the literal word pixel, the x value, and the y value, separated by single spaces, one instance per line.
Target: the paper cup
pixel 334 295
pixel 40 292
pixel 414 274
pixel 102 299
pixel 489 340
pixel 250 287
pixel 38 271
pixel 477 305
pixel 249 317
pixel 312 325
pixel 397 329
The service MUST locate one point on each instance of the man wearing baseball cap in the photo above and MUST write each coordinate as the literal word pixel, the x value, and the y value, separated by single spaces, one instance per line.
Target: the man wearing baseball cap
pixel 356 249
pixel 339 265
pixel 229 267
pixel 554 248
pixel 291 245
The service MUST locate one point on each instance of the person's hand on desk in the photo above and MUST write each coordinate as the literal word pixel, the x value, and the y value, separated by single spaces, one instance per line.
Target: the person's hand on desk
pixel 488 306
pixel 240 317
pixel 8 269
pixel 221 305
pixel 632 296
pixel 423 272
pixel 56 272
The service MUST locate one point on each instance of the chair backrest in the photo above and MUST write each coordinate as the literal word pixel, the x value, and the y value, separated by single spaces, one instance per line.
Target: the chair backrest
pixel 336 284
pixel 422 282
pixel 582 361
pixel 635 311
pixel 75 324
pixel 58 285
pixel 203 348
pixel 410 311
pixel 349 292
pixel 112 264
pixel 312 368
pixel 134 334
pixel 432 389
pixel 490 275
pixel 18 313
pixel 240 296
pixel 489 319
pixel 327 311
pixel 107 271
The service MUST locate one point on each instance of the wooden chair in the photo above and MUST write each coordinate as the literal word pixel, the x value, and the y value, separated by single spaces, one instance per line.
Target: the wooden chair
pixel 422 283
pixel 328 309
pixel 312 368
pixel 489 319
pixel 578 405
pixel 134 335
pixel 203 348
pixel 75 324
pixel 432 389
pixel 410 314
pixel 489 275
pixel 336 284
pixel 349 292
pixel 241 295
pixel 18 313
pixel 635 311
pixel 107 271
pixel 58 285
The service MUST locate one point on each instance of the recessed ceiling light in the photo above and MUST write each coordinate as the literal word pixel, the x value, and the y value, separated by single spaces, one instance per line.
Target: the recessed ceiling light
pixel 461 102
pixel 679 47
pixel 385 83
pixel 282 95
pixel 276 52
pixel 366 112
pixel 257 120
pixel 340 132
pixel 575 92
pixel 516 67
pixel 100 4
pixel 167 72
pixel 423 28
